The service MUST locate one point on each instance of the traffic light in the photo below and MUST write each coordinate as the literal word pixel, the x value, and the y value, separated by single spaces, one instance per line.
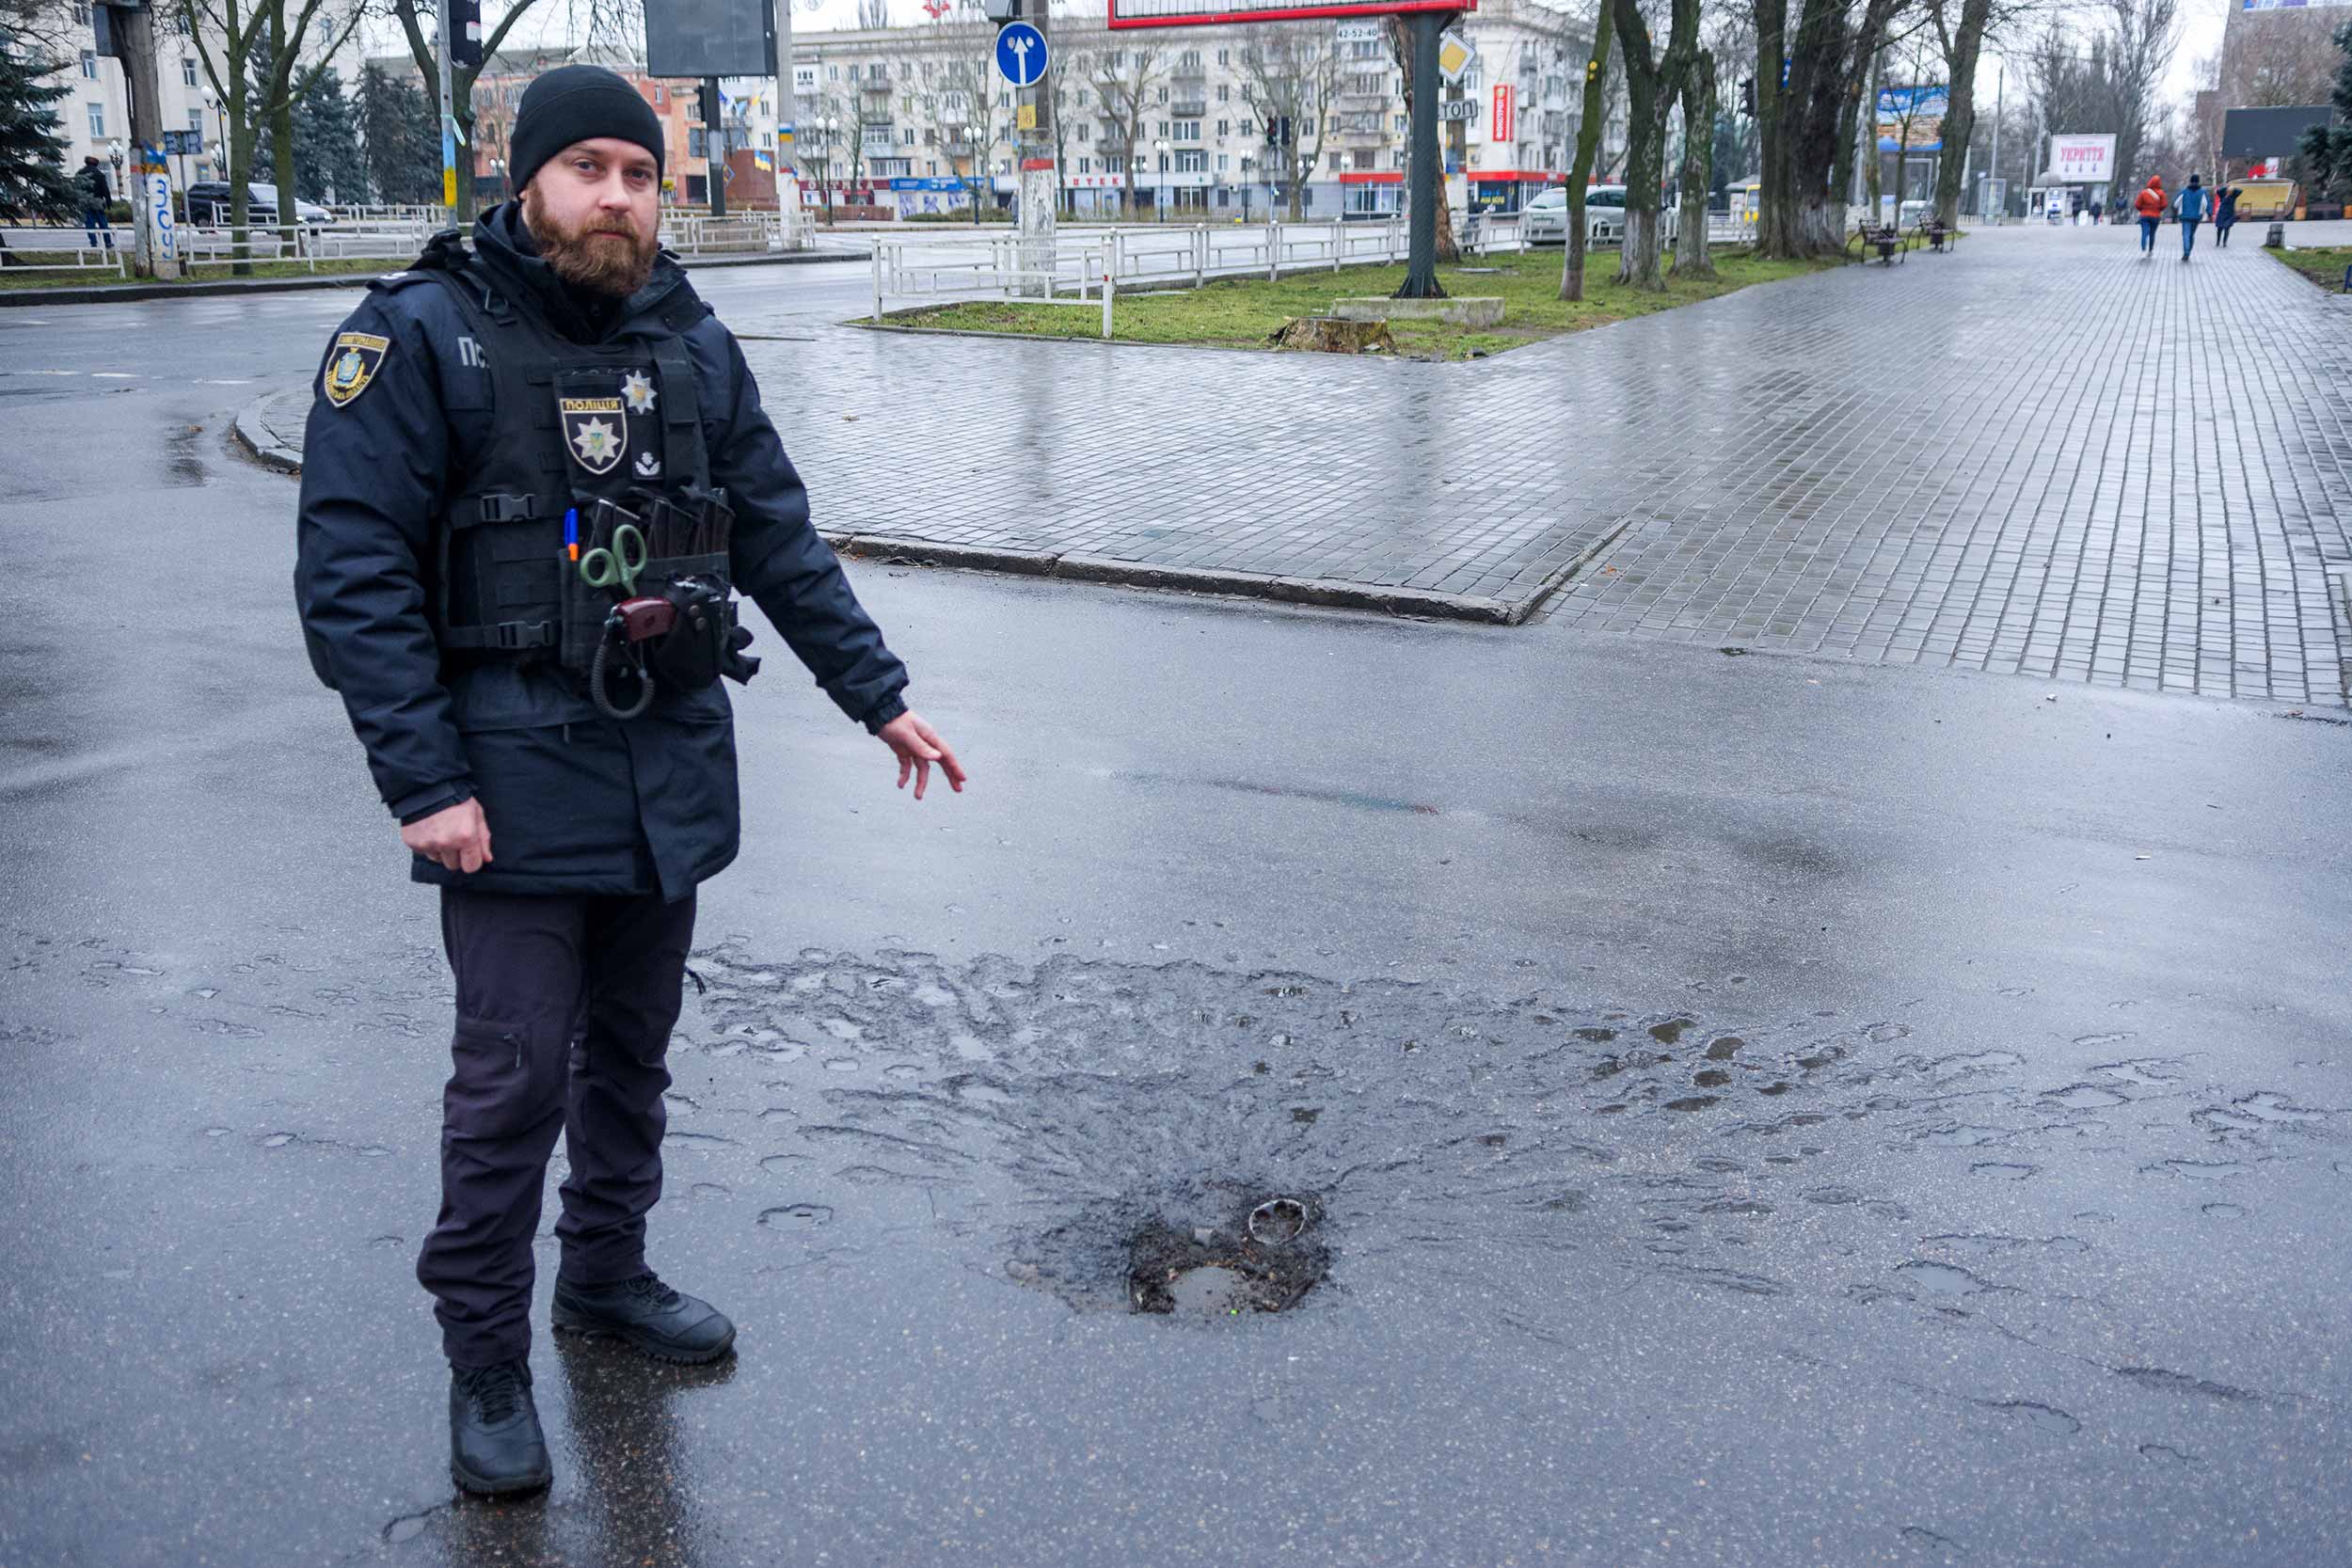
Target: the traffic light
pixel 707 105
pixel 464 32
pixel 1747 96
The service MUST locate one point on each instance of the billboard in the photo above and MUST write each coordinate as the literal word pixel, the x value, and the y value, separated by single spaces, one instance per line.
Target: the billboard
pixel 2268 132
pixel 1202 13
pixel 1911 120
pixel 2079 160
pixel 711 38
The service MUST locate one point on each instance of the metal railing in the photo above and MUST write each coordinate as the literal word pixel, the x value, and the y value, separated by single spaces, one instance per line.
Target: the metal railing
pixel 433 215
pixel 1093 269
pixel 64 248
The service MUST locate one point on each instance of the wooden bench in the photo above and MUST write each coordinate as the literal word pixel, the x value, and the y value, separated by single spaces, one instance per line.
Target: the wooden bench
pixel 1888 240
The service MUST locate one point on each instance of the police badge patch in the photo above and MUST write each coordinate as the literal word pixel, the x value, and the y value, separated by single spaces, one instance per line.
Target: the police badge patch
pixel 595 430
pixel 351 364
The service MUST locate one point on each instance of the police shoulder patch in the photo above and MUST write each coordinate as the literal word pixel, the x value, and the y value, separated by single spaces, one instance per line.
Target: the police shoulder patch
pixel 351 364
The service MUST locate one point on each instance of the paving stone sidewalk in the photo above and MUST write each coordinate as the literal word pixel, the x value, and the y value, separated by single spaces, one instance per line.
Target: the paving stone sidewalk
pixel 2038 455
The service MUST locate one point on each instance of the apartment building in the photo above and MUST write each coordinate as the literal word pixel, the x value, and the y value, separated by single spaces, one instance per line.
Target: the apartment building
pixel 95 116
pixel 1173 120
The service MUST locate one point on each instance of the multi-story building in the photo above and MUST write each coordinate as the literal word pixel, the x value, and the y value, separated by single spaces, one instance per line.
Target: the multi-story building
pixel 498 92
pixel 96 118
pixel 1175 120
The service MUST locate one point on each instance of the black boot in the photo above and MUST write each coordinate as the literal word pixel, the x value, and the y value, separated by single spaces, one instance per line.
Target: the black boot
pixel 495 1446
pixel 647 1314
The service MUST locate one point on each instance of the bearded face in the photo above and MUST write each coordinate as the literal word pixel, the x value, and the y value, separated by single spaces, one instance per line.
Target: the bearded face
pixel 595 220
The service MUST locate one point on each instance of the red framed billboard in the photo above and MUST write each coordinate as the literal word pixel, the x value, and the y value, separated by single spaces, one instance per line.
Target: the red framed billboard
pixel 1209 13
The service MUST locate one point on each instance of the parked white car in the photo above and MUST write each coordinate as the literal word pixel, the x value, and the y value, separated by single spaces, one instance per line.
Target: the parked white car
pixel 1546 221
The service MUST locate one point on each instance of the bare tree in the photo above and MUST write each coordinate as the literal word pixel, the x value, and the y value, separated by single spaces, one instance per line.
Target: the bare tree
pixel 1653 81
pixel 1587 148
pixel 837 108
pixel 1125 79
pixel 960 99
pixel 2143 35
pixel 1959 29
pixel 1290 74
pixel 252 53
pixel 2112 86
pixel 601 28
pixel 1808 119
pixel 2274 60
pixel 1698 149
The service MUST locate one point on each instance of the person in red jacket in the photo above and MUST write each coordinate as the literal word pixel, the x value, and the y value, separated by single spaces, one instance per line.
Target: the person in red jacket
pixel 2150 205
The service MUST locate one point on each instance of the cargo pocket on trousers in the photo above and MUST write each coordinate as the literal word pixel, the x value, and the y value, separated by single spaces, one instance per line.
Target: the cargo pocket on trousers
pixel 501 1079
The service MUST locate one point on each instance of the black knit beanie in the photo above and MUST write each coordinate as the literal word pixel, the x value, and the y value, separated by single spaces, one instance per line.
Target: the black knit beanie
pixel 573 104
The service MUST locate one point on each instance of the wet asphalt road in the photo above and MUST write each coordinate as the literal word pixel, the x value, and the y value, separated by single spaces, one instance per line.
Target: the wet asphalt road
pixel 1757 1110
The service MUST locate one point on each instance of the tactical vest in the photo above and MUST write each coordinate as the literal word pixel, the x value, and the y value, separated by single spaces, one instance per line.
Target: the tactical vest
pixel 575 423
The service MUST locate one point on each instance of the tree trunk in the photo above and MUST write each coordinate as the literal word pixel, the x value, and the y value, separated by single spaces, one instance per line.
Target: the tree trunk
pixel 281 134
pixel 1867 131
pixel 1698 151
pixel 1651 84
pixel 1775 208
pixel 1588 135
pixel 240 175
pixel 1645 153
pixel 1639 264
pixel 1961 53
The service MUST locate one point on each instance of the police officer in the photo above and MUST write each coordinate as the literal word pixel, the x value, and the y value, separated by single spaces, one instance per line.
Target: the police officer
pixel 535 473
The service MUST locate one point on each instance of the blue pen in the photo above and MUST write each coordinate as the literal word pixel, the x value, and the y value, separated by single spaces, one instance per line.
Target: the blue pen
pixel 571 532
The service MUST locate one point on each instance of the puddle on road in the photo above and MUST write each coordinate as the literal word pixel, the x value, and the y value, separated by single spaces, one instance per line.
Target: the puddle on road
pixel 1199 1143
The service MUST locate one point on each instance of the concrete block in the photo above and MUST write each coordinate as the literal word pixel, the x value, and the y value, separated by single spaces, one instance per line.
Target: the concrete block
pixel 1471 311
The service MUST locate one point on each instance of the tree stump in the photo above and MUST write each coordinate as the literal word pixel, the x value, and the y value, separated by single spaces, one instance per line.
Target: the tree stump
pixel 1331 335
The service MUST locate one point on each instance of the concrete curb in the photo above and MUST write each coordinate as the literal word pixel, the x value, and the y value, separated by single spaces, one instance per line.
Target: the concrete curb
pixel 250 431
pixel 102 292
pixel 1329 593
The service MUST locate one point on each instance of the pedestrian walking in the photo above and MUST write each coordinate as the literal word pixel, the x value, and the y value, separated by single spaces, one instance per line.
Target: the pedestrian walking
pixel 2194 205
pixel 90 180
pixel 535 471
pixel 2149 204
pixel 2225 216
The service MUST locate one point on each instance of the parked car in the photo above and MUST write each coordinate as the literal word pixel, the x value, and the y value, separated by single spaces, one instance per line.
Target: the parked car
pixel 209 205
pixel 1547 218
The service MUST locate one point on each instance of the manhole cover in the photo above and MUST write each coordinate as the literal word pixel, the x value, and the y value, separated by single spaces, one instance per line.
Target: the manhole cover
pixel 1263 1260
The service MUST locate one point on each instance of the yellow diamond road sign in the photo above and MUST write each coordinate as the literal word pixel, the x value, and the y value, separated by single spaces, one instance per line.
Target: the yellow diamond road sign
pixel 1454 56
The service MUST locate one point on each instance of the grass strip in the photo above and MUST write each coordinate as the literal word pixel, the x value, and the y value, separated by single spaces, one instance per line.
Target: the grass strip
pixel 2323 265
pixel 1242 312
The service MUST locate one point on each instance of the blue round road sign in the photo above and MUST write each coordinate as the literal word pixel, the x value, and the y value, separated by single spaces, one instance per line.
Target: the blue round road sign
pixel 1019 53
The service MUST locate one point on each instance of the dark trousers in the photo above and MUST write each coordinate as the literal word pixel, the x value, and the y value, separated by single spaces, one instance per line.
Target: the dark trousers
pixel 2188 237
pixel 94 224
pixel 564 1008
pixel 2147 233
pixel 2221 231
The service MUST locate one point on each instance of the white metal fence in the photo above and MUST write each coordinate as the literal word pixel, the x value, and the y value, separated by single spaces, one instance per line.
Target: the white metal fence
pixel 42 247
pixel 1092 268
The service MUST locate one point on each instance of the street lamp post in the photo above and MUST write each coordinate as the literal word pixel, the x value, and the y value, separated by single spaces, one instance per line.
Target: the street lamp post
pixel 1160 202
pixel 963 138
